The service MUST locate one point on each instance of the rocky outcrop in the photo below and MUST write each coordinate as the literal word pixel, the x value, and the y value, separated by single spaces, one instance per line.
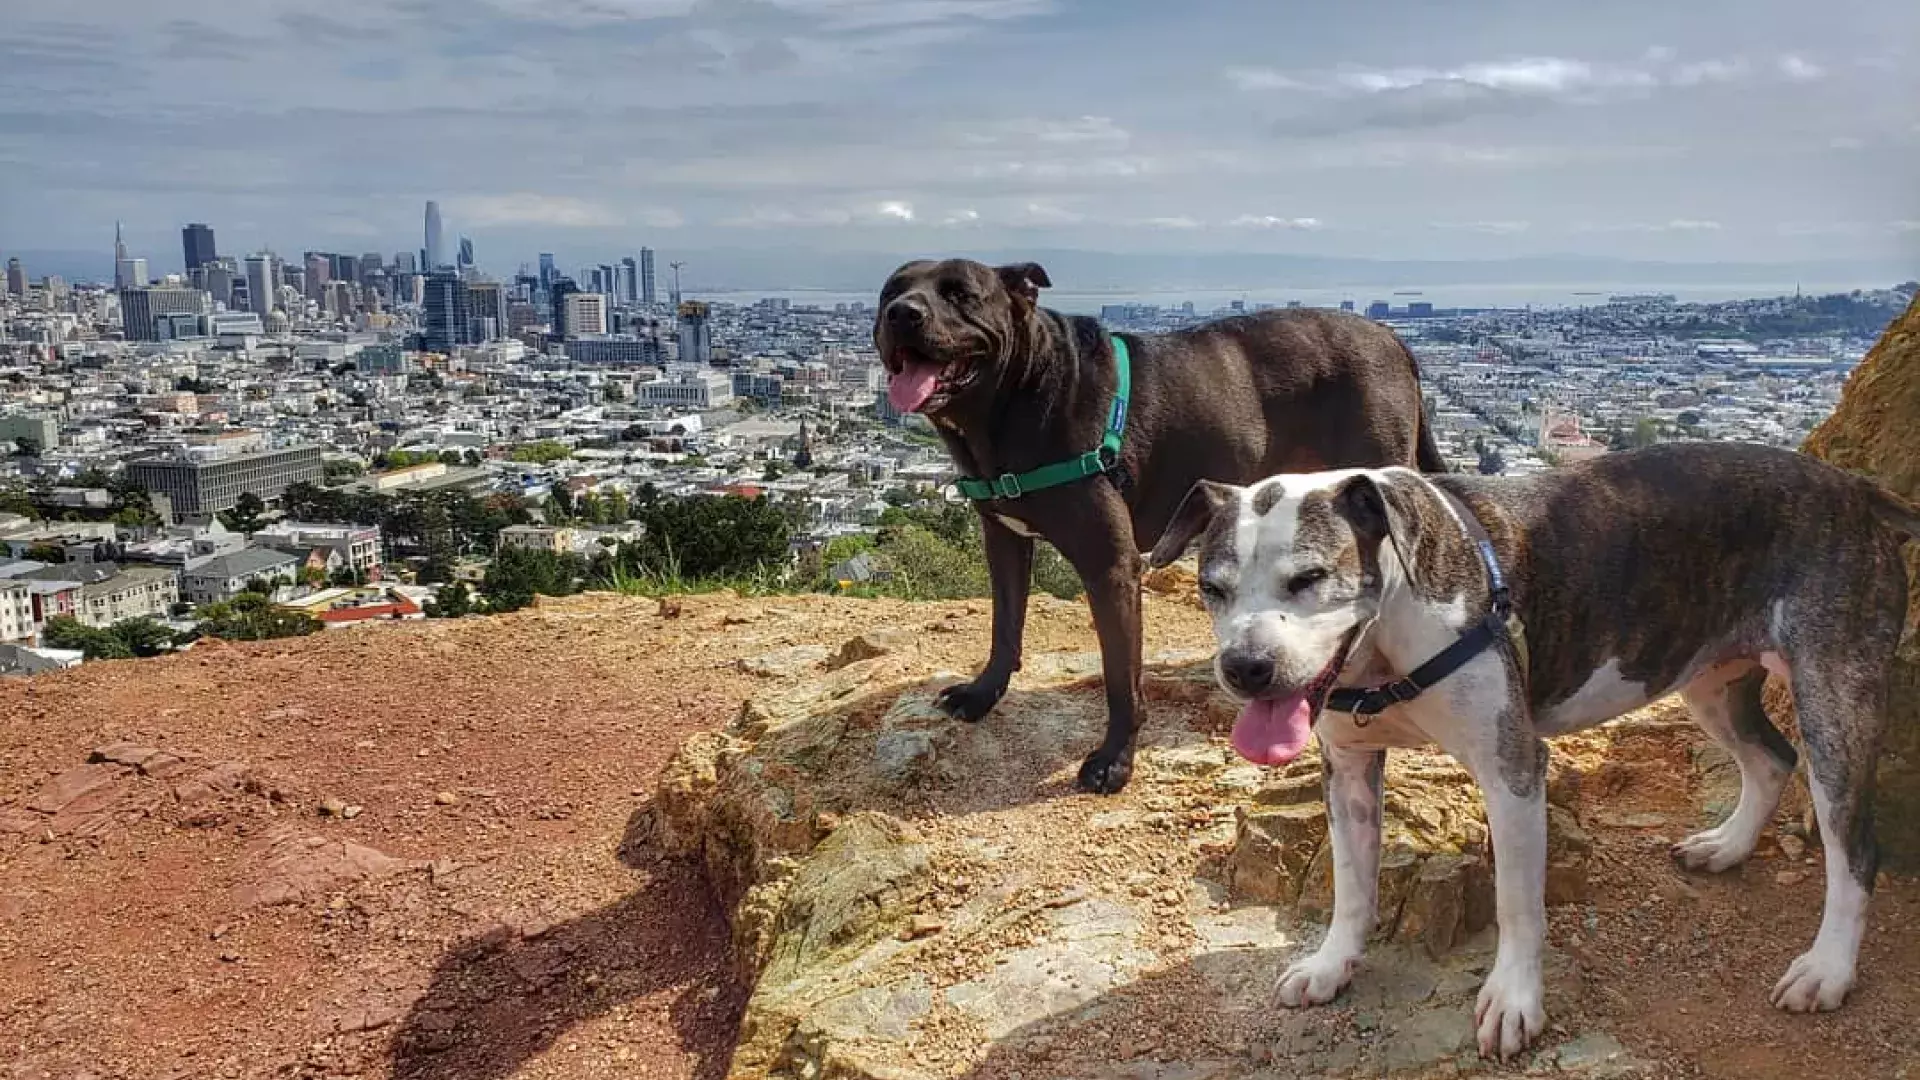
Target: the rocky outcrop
pixel 1874 432
pixel 916 898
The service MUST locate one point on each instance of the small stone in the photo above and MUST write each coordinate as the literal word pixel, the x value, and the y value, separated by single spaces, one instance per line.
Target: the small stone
pixel 923 926
pixel 220 931
pixel 352 812
pixel 333 807
pixel 230 957
pixel 1792 846
pixel 446 798
pixel 423 752
pixel 1790 877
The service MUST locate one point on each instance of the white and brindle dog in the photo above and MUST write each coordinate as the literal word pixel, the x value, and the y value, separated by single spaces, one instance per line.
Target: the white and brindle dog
pixel 1693 567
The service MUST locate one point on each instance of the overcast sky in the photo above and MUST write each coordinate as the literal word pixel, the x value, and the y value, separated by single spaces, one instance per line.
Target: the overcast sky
pixel 1762 130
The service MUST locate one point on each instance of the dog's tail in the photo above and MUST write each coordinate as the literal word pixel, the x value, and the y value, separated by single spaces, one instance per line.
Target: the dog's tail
pixel 1426 451
pixel 1896 512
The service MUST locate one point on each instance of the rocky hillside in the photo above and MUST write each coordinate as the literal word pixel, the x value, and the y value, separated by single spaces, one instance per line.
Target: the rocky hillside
pixel 556 844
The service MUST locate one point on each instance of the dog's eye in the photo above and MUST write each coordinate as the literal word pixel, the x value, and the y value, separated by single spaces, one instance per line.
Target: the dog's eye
pixel 958 294
pixel 1306 579
pixel 1212 592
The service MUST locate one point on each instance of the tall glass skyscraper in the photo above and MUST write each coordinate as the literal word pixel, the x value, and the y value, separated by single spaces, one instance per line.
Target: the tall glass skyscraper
pixel 196 243
pixel 435 251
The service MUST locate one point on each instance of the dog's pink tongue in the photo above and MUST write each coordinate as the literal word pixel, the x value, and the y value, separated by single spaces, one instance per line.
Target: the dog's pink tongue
pixel 911 388
pixel 1273 732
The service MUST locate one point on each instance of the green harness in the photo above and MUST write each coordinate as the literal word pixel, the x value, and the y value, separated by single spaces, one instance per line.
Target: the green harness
pixel 1091 463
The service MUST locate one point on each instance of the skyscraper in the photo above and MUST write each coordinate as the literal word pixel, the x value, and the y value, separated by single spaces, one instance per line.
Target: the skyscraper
pixel 486 311
pixel 434 250
pixel 16 277
pixel 260 283
pixel 696 339
pixel 443 323
pixel 319 272
pixel 557 292
pixel 466 255
pixel 120 268
pixel 646 276
pixel 628 291
pixel 546 270
pixel 406 262
pixel 196 243
pixel 586 313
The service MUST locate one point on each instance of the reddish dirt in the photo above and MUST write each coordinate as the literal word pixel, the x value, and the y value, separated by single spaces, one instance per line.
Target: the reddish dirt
pixel 500 761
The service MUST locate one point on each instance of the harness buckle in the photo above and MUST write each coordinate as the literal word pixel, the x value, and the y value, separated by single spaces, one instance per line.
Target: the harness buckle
pixel 1009 486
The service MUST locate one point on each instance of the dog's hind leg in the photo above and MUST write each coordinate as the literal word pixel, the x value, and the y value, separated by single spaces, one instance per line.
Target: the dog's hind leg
pixel 1839 694
pixel 1725 702
pixel 1355 786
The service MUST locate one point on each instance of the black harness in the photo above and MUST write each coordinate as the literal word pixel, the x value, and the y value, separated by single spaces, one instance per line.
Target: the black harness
pixel 1500 625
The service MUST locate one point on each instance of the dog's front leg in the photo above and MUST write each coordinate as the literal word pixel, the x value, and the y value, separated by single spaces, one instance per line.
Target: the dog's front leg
pixel 1513 777
pixel 1355 790
pixel 1104 554
pixel 1010 567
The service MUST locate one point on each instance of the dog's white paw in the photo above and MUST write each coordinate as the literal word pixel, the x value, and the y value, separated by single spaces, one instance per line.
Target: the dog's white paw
pixel 1509 1015
pixel 1714 851
pixel 1816 982
pixel 1317 979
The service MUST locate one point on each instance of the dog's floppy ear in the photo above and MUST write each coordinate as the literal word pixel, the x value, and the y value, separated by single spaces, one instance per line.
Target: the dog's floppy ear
pixel 1024 280
pixel 1196 511
pixel 1373 510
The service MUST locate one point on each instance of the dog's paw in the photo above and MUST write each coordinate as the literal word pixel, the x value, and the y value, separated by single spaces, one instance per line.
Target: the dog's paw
pixel 1816 982
pixel 1509 1015
pixel 1315 980
pixel 1105 771
pixel 969 701
pixel 1713 851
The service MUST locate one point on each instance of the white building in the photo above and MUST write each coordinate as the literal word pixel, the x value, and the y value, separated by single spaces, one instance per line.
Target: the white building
pixel 689 388
pixel 16 611
pixel 586 314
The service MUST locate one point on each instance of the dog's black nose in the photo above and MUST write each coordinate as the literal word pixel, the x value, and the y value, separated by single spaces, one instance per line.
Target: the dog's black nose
pixel 902 315
pixel 1246 672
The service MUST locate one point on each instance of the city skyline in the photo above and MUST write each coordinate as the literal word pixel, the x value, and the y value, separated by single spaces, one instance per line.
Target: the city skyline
pixel 1739 133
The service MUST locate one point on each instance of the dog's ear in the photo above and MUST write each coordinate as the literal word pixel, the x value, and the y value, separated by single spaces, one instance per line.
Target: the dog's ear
pixel 1024 281
pixel 1376 512
pixel 1195 513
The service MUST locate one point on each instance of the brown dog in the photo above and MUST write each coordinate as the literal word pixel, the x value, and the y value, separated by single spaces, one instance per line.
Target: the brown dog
pixel 1013 388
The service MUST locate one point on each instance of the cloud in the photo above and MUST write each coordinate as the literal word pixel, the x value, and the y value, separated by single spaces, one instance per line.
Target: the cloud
pixel 1040 213
pixel 1800 69
pixel 1269 221
pixel 962 216
pixel 528 208
pixel 895 210
pixel 1674 225
pixel 1491 228
pixel 1904 226
pixel 1177 222
pixel 764 217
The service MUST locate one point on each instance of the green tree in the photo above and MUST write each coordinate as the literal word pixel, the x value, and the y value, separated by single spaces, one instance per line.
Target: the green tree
pixel 560 508
pixel 338 469
pixel 519 574
pixel 712 537
pixel 436 570
pixel 925 567
pixel 252 617
pixel 26 447
pixel 450 458
pixel 67 632
pixel 451 602
pixel 47 553
pixel 543 452
pixel 245 515
pixel 1646 432
pixel 143 637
